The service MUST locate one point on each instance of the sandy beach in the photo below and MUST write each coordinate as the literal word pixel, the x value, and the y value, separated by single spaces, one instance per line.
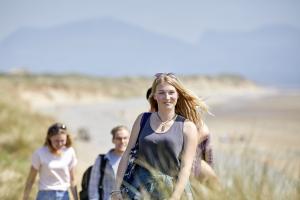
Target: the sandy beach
pixel 268 126
pixel 266 122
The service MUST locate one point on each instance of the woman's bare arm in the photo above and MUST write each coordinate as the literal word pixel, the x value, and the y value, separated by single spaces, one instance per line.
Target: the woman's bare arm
pixel 29 182
pixel 203 132
pixel 73 184
pixel 190 145
pixel 125 157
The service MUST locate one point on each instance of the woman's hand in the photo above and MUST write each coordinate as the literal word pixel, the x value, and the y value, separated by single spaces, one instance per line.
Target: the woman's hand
pixel 116 196
pixel 174 198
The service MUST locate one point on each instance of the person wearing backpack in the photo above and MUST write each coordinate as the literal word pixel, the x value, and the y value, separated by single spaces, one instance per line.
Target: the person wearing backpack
pixel 100 190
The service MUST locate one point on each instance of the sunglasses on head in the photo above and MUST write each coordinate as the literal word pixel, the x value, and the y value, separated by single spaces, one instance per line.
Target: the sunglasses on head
pixel 172 75
pixel 62 126
pixel 58 126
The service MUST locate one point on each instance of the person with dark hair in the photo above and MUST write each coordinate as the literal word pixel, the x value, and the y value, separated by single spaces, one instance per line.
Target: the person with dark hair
pixel 55 163
pixel 120 136
pixel 149 91
pixel 167 144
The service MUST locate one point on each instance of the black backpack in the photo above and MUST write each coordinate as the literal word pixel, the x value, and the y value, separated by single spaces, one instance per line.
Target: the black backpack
pixel 83 194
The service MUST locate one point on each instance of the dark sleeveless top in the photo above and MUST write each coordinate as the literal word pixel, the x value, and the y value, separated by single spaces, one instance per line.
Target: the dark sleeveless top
pixel 162 151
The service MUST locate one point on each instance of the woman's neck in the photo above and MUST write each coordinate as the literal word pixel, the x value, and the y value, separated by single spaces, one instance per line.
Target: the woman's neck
pixel 166 115
pixel 57 152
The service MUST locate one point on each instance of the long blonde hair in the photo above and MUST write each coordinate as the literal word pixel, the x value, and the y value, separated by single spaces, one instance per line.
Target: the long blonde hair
pixel 188 105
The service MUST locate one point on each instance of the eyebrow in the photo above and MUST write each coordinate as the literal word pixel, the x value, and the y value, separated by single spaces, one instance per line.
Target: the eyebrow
pixel 163 90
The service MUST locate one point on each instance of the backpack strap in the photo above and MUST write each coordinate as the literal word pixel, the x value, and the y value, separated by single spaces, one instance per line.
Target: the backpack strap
pixel 102 169
pixel 144 119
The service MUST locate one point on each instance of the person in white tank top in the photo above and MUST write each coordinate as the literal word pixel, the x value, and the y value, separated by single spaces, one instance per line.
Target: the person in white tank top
pixel 55 163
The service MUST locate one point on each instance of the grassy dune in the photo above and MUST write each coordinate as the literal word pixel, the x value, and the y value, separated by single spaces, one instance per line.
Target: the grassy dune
pixel 249 175
pixel 79 86
pixel 21 131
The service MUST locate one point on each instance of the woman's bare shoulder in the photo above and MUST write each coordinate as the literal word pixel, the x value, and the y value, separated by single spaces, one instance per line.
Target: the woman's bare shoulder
pixel 189 128
pixel 205 130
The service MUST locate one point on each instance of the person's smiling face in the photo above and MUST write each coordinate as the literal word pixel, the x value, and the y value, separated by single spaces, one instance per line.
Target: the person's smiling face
pixel 166 95
pixel 58 141
pixel 120 140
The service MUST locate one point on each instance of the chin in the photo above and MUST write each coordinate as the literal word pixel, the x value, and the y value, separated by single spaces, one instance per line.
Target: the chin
pixel 169 107
pixel 58 149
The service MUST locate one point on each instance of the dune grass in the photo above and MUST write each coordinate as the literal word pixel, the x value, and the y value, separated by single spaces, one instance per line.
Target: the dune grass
pixel 21 131
pixel 249 175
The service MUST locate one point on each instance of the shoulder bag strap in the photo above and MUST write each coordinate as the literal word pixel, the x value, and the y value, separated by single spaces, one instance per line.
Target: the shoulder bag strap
pixel 143 122
pixel 102 169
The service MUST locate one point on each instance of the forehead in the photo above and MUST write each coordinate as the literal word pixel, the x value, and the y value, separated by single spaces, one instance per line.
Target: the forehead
pixel 122 133
pixel 59 137
pixel 165 86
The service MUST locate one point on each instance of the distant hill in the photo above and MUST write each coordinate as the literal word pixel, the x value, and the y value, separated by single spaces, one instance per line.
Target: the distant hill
pixel 268 55
pixel 108 47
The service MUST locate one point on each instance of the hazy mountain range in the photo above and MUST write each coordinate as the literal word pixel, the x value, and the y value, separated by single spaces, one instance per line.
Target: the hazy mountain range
pixel 109 47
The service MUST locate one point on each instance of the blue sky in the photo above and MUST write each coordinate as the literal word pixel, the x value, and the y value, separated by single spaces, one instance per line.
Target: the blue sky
pixel 185 21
